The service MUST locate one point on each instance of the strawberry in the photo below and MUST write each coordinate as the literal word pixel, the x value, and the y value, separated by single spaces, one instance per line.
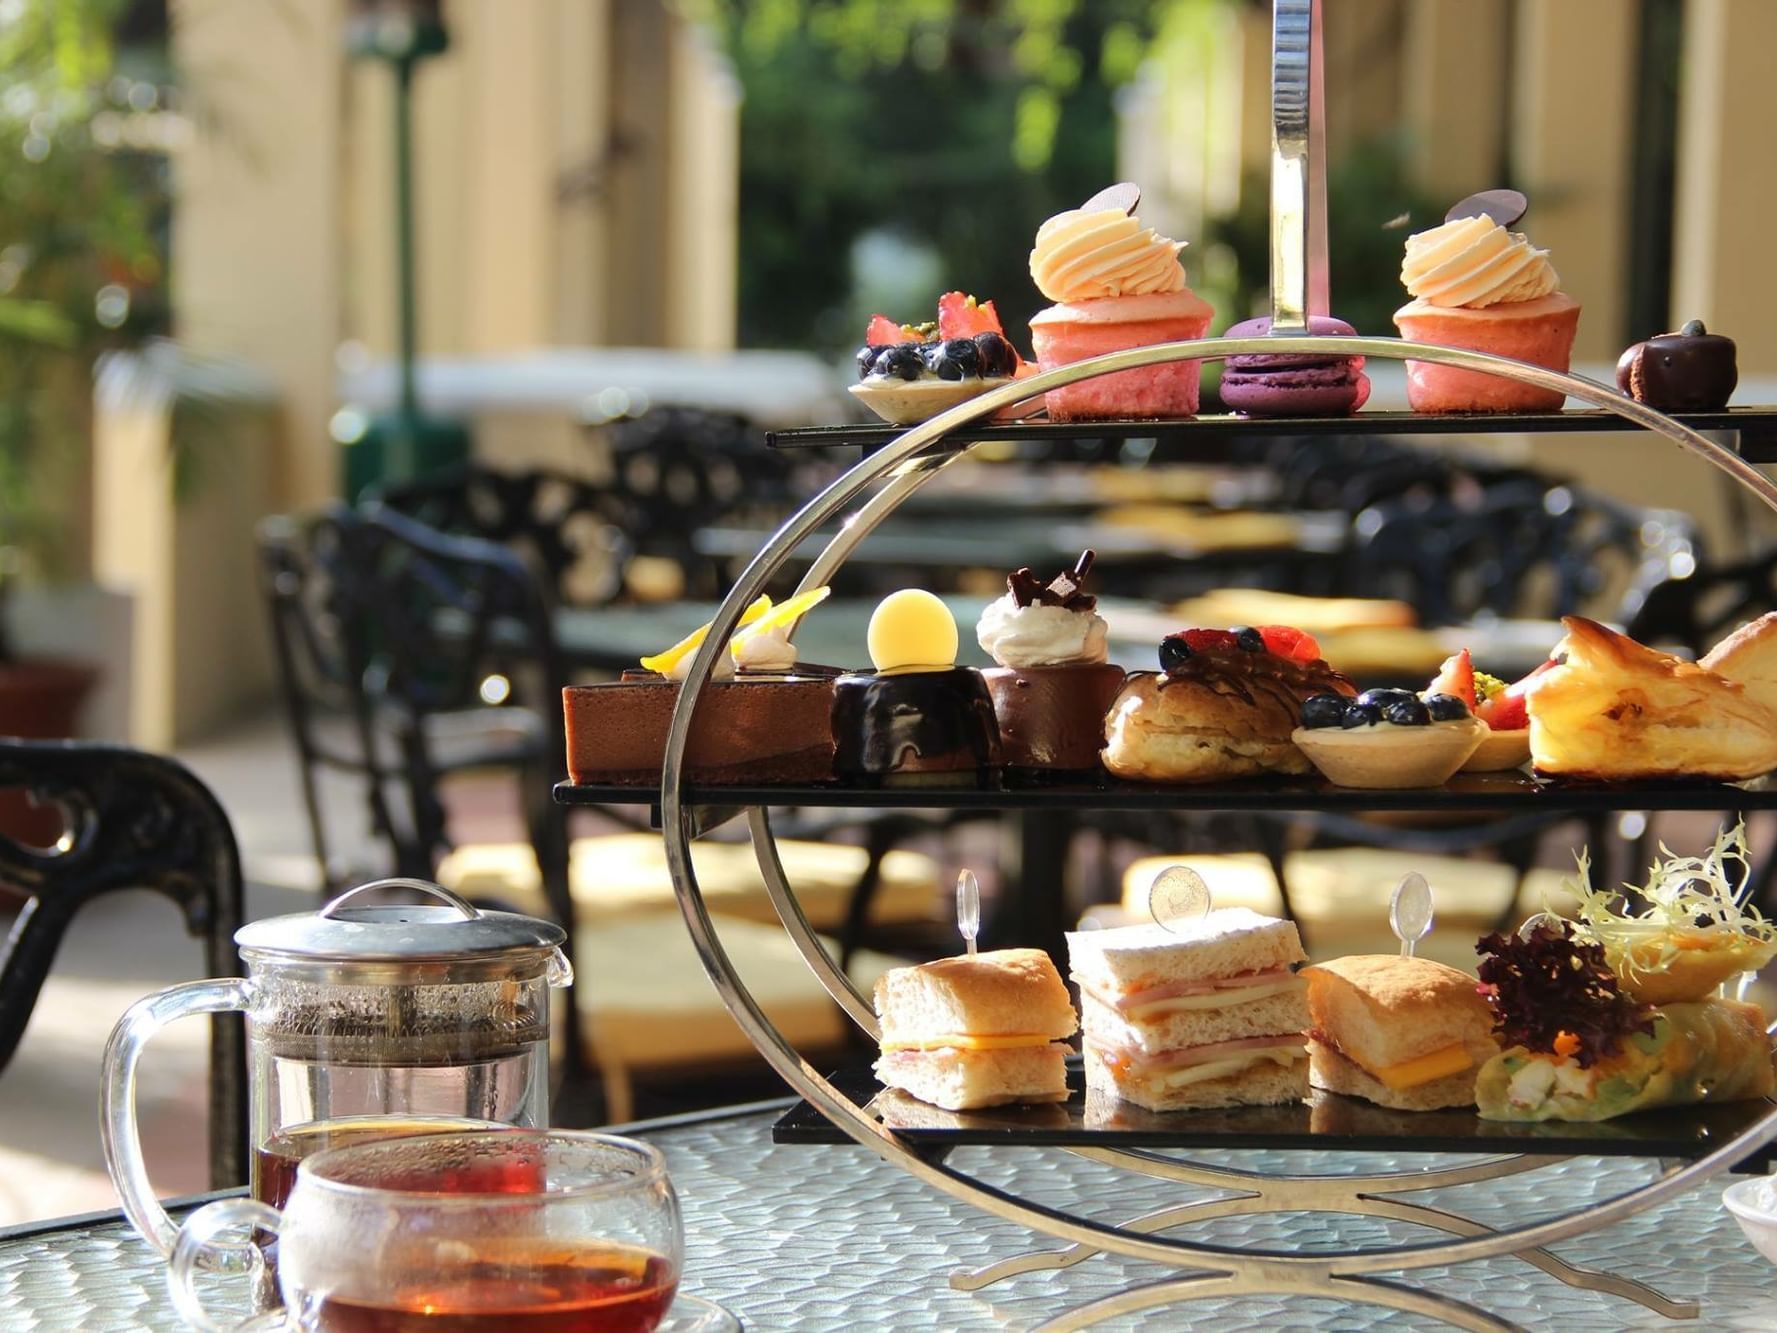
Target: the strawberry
pixel 883 332
pixel 1507 711
pixel 1456 676
pixel 1287 641
pixel 961 316
pixel 1205 640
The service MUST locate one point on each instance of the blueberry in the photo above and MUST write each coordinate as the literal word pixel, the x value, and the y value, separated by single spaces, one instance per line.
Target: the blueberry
pixel 1360 714
pixel 1252 641
pixel 956 359
pixel 867 355
pixel 1408 712
pixel 1173 652
pixel 1323 710
pixel 1445 708
pixel 900 362
pixel 1382 698
pixel 998 360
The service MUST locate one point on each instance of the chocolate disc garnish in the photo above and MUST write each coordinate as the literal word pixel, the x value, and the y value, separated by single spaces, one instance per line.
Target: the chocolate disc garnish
pixel 1503 206
pixel 1123 196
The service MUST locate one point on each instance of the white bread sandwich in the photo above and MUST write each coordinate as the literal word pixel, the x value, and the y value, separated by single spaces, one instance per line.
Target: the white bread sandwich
pixel 1407 1033
pixel 987 1029
pixel 1201 1015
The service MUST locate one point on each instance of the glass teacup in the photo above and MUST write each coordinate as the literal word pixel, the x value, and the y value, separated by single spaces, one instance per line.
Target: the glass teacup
pixel 530 1231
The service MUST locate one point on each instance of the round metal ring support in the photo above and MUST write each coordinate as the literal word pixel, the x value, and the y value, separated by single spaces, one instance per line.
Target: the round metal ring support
pixel 860 1127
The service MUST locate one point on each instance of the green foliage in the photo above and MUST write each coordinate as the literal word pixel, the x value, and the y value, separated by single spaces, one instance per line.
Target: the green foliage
pixel 80 266
pixel 949 123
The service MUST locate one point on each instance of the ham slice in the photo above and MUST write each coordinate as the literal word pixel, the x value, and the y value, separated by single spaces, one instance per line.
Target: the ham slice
pixel 1179 989
pixel 1134 1064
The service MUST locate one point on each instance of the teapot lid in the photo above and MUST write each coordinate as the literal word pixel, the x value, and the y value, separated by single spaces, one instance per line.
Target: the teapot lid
pixel 401 932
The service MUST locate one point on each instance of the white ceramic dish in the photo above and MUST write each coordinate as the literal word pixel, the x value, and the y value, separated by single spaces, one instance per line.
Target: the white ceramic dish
pixel 1754 1206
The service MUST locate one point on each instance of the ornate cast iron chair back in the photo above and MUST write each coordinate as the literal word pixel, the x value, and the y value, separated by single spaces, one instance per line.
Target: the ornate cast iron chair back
pixel 570 533
pixel 131 821
pixel 1695 609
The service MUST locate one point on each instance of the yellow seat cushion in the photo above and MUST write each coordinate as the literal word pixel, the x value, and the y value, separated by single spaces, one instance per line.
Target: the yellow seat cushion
pixel 625 873
pixel 649 1004
pixel 1340 895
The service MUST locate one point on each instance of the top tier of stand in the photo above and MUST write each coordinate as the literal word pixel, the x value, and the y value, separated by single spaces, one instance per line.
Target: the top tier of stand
pixel 1208 438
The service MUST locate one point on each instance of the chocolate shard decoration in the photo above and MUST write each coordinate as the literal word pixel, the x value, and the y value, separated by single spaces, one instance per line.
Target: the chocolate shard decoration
pixel 1067 589
pixel 1503 206
pixel 1123 196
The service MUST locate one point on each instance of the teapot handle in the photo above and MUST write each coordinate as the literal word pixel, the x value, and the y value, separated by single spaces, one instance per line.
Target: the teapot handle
pixel 468 909
pixel 117 1125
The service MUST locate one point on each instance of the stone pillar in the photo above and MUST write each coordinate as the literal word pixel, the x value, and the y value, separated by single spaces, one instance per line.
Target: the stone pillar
pixel 1723 269
pixel 1573 84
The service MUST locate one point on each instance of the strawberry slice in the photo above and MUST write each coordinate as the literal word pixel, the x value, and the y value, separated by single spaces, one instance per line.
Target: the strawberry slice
pixel 962 316
pixel 883 332
pixel 1206 640
pixel 1456 676
pixel 1287 641
pixel 1508 710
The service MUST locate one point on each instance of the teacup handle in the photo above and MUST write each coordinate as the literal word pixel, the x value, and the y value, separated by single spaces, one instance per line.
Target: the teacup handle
pixel 117 1125
pixel 195 1251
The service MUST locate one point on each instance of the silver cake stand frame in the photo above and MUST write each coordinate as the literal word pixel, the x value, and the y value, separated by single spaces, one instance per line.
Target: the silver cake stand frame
pixel 1299 290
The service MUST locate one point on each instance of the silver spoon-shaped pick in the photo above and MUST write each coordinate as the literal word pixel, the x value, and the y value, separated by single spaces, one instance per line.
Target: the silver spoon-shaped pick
pixel 1410 911
pixel 1178 898
pixel 968 908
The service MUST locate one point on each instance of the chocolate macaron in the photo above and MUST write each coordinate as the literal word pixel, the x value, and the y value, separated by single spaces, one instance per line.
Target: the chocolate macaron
pixel 1294 384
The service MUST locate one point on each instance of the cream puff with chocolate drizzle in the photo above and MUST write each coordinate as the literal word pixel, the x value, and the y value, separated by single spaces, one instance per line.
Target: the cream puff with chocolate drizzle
pixel 1223 706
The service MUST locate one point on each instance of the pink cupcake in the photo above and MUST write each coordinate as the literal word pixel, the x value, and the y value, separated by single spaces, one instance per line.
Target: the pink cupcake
pixel 1115 284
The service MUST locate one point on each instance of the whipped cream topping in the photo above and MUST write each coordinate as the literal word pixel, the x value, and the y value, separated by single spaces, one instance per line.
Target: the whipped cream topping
pixel 1041 636
pixel 1475 263
pixel 1080 256
pixel 723 669
pixel 764 650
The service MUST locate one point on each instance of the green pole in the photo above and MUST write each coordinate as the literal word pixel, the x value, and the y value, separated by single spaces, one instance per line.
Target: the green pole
pixel 403 461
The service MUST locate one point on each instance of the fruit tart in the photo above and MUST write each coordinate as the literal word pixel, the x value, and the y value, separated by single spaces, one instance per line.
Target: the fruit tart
pixel 1054 684
pixel 1223 705
pixel 764 718
pixel 908 372
pixel 1506 742
pixel 1388 738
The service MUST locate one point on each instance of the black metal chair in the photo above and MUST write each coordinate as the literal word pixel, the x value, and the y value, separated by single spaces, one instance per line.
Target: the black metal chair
pixel 572 534
pixel 131 821
pixel 1694 608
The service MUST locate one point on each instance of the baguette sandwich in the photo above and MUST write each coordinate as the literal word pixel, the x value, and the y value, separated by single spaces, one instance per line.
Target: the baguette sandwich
pixel 981 1030
pixel 1407 1033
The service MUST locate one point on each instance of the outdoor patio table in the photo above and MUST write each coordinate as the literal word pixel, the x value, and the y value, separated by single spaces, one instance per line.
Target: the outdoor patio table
pixel 823 1238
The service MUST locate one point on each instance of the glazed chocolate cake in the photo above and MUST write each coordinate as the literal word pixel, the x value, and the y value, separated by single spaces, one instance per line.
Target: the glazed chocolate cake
pixel 915 728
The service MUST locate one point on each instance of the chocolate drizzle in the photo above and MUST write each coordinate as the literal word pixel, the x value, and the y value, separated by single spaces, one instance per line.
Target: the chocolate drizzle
pixel 1067 589
pixel 1241 673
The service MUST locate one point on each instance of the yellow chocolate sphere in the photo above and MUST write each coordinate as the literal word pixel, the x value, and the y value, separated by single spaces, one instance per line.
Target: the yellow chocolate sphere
pixel 911 630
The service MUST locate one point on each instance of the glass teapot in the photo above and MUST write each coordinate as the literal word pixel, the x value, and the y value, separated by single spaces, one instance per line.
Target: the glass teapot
pixel 363 1022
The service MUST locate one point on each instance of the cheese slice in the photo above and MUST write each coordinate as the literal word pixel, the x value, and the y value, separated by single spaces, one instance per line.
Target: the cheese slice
pixel 964 1042
pixel 1452 1059
pixel 1220 999
pixel 1234 1064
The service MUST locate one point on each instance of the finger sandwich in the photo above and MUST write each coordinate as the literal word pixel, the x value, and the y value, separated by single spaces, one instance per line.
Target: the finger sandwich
pixel 1408 1033
pixel 1206 1014
pixel 984 1029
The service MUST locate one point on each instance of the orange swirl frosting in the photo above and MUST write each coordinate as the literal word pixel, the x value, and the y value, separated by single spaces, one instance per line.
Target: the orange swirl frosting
pixel 1475 262
pixel 1080 256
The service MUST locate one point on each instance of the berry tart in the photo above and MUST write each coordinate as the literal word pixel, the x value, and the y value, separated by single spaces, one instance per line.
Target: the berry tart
pixel 1222 706
pixel 1053 684
pixel 1506 743
pixel 908 372
pixel 919 719
pixel 1388 738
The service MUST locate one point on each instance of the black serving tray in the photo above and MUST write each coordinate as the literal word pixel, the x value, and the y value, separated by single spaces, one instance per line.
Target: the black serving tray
pixel 1512 792
pixel 1205 438
pixel 1327 1122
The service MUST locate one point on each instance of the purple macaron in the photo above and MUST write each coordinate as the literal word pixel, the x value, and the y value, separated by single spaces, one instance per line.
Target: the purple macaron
pixel 1294 384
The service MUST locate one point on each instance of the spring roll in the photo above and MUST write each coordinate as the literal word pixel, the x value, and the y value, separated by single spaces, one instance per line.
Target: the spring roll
pixel 1705 1051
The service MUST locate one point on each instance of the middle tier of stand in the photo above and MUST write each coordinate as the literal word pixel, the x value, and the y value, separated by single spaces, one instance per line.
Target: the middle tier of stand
pixel 1492 793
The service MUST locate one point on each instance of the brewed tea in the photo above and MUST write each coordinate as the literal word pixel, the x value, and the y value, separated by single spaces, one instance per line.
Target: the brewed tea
pixel 275 1161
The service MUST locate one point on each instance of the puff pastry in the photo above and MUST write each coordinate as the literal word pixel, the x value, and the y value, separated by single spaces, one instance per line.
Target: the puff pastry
pixel 1614 710
pixel 1749 655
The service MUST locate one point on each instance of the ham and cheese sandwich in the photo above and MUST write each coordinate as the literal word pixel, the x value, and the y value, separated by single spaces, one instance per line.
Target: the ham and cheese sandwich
pixel 981 1030
pixel 1402 1032
pixel 1210 1014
